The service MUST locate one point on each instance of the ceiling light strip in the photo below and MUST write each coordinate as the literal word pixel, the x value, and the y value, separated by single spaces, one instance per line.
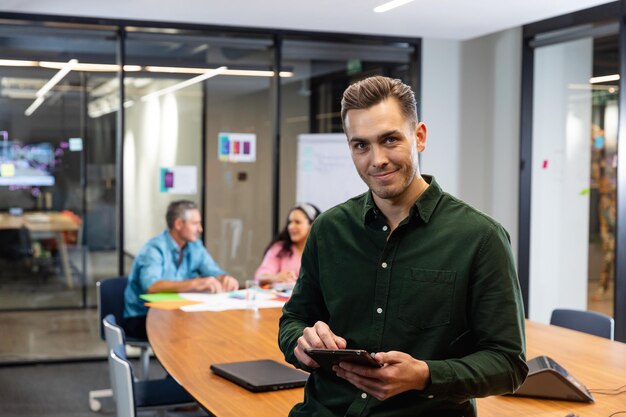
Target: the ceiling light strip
pixel 57 77
pixel 82 66
pixel 17 63
pixel 41 94
pixel 176 70
pixel 604 79
pixel 31 109
pixel 189 70
pixel 390 5
pixel 91 67
pixel 186 83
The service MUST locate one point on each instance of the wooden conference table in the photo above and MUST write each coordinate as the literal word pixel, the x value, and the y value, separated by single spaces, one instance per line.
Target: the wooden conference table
pixel 186 344
pixel 42 225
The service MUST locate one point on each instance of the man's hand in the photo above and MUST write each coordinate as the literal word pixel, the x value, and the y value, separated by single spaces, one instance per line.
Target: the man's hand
pixel 400 373
pixel 203 284
pixel 200 284
pixel 320 337
pixel 228 283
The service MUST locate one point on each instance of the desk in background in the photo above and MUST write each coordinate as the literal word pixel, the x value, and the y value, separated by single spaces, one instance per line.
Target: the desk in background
pixel 42 225
pixel 186 344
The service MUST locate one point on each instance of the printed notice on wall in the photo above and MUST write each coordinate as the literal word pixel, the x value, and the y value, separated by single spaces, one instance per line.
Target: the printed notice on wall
pixel 179 180
pixel 236 147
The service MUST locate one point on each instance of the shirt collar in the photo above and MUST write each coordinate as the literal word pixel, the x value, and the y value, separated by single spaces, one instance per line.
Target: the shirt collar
pixel 423 207
pixel 171 243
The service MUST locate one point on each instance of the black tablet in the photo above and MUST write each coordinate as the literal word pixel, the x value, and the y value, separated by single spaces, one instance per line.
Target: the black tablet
pixel 326 358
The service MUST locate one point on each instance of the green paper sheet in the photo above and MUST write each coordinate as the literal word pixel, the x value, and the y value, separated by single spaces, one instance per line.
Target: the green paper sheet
pixel 162 296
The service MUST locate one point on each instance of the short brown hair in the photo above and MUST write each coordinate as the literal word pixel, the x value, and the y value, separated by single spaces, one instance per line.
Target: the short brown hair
pixel 371 91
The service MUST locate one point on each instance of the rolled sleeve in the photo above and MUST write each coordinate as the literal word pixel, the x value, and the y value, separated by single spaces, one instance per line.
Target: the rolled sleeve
pixel 150 268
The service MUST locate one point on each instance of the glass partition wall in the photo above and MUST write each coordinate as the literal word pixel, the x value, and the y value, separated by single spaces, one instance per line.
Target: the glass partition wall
pixel 57 179
pixel 210 115
pixel 240 137
pixel 575 147
pixel 570 210
pixel 163 130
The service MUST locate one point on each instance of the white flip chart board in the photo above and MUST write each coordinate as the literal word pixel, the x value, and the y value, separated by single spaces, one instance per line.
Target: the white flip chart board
pixel 326 175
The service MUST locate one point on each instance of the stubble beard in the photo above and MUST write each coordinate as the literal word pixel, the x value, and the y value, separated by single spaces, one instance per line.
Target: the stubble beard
pixel 394 190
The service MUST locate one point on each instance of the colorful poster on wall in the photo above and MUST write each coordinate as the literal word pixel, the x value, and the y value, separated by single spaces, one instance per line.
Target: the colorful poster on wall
pixel 236 147
pixel 179 180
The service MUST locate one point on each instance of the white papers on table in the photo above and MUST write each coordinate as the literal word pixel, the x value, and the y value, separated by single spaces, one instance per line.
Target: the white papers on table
pixel 235 300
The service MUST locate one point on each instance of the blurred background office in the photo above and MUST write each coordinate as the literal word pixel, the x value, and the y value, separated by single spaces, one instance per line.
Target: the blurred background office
pixel 107 115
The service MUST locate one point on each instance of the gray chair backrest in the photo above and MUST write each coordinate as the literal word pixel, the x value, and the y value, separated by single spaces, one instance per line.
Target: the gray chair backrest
pixel 123 385
pixel 113 334
pixel 591 322
pixel 114 337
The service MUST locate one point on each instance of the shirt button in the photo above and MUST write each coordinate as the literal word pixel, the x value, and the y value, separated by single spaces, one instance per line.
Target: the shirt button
pixel 384 265
pixel 364 395
pixel 379 310
pixel 385 228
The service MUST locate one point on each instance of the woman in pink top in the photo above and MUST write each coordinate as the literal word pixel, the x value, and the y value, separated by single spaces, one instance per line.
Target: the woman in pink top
pixel 281 262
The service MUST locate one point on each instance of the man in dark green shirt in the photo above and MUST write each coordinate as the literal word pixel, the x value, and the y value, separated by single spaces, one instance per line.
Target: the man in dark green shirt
pixel 408 272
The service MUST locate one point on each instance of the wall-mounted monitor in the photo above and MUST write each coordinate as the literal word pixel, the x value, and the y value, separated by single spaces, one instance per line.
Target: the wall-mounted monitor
pixel 26 165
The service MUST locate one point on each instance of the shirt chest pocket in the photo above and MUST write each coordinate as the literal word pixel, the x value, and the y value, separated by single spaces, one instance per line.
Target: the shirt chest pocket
pixel 427 298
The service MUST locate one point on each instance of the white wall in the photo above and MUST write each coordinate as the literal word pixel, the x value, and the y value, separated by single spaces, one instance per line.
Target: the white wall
pixel 441 78
pixel 470 103
pixel 161 132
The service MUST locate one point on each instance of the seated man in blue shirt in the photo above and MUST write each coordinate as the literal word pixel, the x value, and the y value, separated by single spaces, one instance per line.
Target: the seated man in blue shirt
pixel 173 261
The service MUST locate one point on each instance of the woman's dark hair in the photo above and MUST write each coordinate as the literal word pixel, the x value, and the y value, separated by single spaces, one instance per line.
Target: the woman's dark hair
pixel 310 211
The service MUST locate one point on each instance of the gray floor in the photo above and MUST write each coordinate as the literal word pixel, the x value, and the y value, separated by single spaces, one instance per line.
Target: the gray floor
pixel 50 335
pixel 52 323
pixel 62 390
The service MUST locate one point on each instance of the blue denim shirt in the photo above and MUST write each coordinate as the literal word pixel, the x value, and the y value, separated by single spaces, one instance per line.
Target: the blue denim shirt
pixel 158 260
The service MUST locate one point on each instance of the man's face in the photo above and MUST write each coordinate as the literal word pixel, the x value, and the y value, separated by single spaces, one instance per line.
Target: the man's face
pixel 384 147
pixel 189 229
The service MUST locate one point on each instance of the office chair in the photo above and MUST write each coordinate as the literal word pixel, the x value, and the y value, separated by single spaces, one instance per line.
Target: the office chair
pixel 132 396
pixel 16 250
pixel 110 294
pixel 590 322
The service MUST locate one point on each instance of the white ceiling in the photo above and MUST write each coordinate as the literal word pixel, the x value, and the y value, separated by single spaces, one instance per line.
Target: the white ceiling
pixel 448 19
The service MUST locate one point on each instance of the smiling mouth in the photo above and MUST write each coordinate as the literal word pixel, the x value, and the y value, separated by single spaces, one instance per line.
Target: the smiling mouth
pixel 383 175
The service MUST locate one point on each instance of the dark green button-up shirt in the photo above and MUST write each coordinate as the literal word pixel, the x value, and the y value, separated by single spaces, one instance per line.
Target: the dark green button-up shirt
pixel 442 288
